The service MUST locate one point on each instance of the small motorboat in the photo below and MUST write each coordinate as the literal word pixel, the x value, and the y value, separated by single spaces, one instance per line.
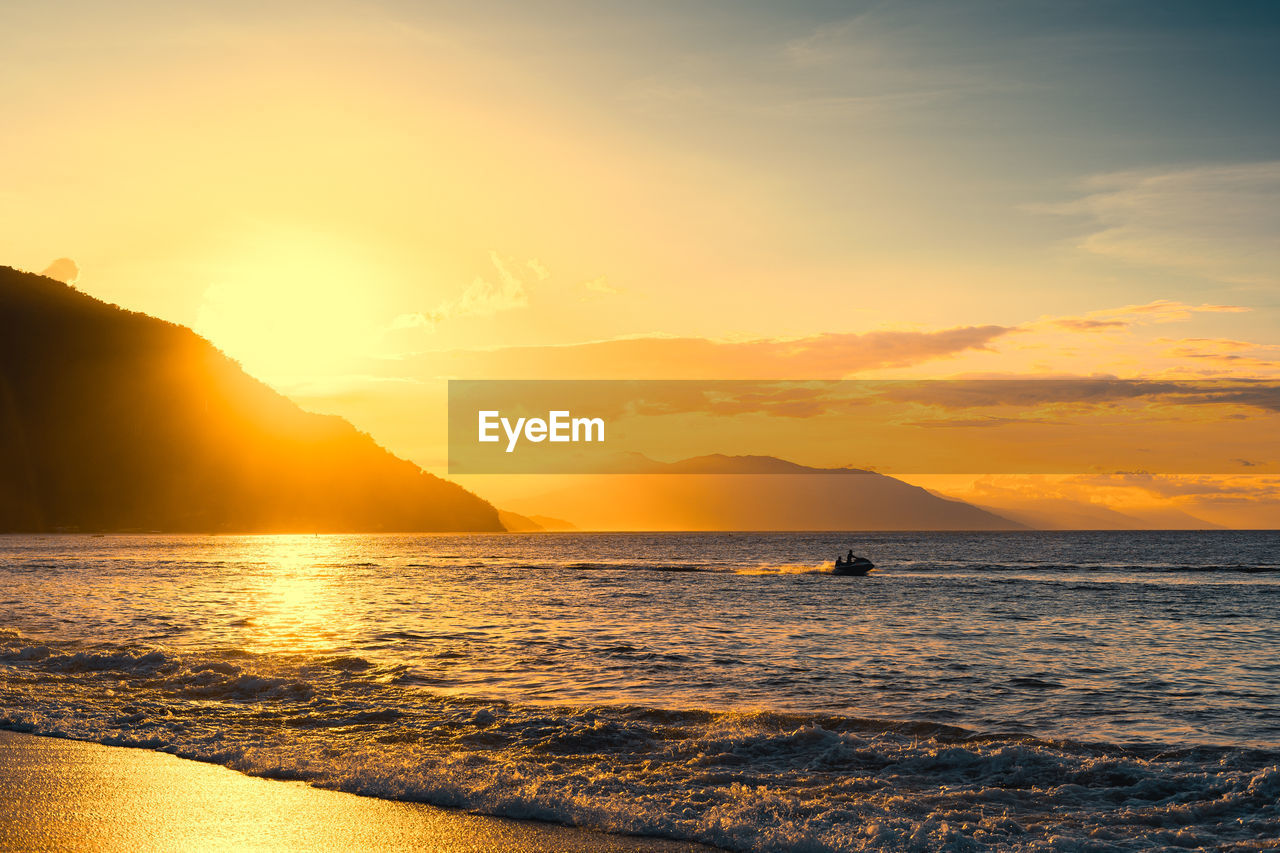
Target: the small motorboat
pixel 857 567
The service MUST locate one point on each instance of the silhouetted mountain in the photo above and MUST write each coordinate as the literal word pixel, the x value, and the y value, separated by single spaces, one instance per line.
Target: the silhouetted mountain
pixel 1065 514
pixel 719 492
pixel 114 420
pixel 517 523
pixel 719 463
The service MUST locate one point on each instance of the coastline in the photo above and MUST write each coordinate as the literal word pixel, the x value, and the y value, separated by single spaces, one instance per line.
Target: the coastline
pixel 76 795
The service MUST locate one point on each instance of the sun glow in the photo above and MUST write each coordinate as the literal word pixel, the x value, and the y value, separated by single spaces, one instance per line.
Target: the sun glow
pixel 291 306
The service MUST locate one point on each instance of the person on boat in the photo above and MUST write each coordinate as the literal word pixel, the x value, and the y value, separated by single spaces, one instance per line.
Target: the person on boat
pixel 850 558
pixel 839 562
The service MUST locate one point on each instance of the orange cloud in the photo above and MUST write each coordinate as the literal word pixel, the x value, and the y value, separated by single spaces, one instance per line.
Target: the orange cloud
pixel 64 270
pixel 1128 316
pixel 1225 352
pixel 600 284
pixel 482 298
pixel 825 356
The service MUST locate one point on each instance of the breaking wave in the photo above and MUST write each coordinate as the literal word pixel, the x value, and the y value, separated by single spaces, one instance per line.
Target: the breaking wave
pixel 743 780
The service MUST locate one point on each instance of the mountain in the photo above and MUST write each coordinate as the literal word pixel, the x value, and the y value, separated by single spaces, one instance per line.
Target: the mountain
pixel 1066 514
pixel 516 523
pixel 114 420
pixel 719 492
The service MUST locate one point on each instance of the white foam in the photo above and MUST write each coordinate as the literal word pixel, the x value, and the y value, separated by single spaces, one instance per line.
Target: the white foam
pixel 745 781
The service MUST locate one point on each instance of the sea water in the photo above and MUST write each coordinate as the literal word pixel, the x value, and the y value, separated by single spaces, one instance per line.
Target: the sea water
pixel 1058 691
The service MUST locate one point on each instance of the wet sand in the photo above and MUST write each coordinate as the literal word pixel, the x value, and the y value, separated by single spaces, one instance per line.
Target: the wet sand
pixel 68 795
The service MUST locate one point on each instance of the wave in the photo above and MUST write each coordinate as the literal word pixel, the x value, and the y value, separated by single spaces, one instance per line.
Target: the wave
pixel 1081 567
pixel 711 565
pixel 761 780
pixel 825 567
pixel 889 567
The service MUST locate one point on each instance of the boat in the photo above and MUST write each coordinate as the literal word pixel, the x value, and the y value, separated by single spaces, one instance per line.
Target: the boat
pixel 857 567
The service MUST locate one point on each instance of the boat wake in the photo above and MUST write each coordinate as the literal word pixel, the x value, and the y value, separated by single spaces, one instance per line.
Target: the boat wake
pixel 785 569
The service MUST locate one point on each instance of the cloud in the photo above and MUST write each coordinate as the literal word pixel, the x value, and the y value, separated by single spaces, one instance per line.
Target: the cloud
pixel 1264 396
pixel 824 45
pixel 963 394
pixel 600 284
pixel 482 298
pixel 825 356
pixel 1085 324
pixel 64 270
pixel 878 403
pixel 875 62
pixel 538 269
pixel 1081 395
pixel 1225 353
pixel 1218 222
pixel 1202 486
pixel 727 399
pixel 1193 347
pixel 412 321
pixel 1128 316
pixel 980 423
pixel 1125 341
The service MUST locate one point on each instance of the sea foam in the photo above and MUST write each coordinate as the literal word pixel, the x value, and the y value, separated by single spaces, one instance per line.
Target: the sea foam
pixel 741 780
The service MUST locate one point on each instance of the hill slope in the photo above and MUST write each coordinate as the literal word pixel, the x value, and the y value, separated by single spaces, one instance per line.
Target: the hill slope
pixel 1063 514
pixel 720 492
pixel 114 420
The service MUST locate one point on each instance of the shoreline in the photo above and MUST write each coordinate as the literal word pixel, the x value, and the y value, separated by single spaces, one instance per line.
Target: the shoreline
pixel 79 795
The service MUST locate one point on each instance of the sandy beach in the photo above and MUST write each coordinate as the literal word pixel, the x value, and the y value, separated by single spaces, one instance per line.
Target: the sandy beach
pixel 69 795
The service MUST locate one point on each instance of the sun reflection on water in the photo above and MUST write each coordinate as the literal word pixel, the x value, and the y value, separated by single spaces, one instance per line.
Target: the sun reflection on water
pixel 297 600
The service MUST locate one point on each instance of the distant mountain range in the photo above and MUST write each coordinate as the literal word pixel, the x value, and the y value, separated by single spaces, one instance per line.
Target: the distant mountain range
pixel 113 420
pixel 516 523
pixel 719 492
pixel 1064 514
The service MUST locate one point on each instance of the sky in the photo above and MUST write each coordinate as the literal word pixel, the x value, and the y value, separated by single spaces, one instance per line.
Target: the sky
pixel 358 200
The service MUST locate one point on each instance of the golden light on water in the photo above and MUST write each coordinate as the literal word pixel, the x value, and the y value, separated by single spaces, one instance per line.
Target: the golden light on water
pixel 295 599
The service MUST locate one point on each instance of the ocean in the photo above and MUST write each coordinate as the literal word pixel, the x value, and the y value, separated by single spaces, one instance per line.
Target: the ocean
pixel 1007 691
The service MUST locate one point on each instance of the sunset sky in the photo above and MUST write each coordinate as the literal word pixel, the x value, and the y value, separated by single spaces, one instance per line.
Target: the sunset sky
pixel 358 200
